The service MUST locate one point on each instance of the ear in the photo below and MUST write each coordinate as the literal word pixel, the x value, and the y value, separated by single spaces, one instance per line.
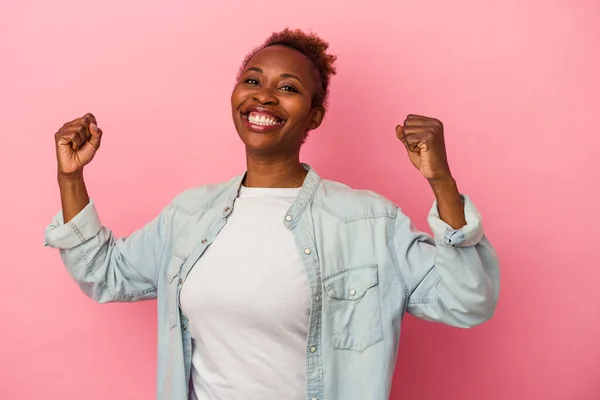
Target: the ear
pixel 316 117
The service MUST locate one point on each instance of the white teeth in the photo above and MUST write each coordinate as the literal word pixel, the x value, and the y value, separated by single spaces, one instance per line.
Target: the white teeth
pixel 262 120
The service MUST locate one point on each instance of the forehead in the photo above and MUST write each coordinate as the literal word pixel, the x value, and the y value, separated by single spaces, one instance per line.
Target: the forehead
pixel 284 60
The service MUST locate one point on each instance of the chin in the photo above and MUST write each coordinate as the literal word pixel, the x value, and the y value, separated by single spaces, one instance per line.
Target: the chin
pixel 259 142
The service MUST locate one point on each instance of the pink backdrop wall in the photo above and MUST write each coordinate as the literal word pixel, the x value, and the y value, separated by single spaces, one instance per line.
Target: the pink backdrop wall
pixel 516 83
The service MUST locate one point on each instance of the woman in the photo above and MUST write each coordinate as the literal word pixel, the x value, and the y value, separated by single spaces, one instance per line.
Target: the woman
pixel 279 284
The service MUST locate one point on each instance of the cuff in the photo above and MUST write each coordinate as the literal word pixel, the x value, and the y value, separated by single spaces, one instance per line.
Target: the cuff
pixel 81 228
pixel 469 235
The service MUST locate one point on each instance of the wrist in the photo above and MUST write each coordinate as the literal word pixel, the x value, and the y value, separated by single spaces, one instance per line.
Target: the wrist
pixel 447 194
pixel 443 185
pixel 69 179
pixel 450 203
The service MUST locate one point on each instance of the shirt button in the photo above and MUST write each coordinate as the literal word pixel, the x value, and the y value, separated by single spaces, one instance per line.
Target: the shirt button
pixel 352 292
pixel 313 349
pixel 180 281
pixel 317 298
pixel 314 398
pixel 203 241
pixel 288 218
pixel 307 251
pixel 226 209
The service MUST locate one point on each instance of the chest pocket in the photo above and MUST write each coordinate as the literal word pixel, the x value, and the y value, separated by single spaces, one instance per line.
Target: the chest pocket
pixel 354 307
pixel 173 271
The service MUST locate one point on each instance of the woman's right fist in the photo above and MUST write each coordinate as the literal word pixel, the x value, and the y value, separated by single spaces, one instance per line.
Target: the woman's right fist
pixel 76 144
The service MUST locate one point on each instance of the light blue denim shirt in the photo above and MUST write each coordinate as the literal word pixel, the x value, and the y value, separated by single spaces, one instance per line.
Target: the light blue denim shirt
pixel 366 265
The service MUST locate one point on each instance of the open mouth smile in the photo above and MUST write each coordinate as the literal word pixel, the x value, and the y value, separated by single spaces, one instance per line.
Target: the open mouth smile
pixel 260 120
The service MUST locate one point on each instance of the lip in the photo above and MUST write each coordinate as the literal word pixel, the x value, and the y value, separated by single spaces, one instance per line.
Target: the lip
pixel 262 110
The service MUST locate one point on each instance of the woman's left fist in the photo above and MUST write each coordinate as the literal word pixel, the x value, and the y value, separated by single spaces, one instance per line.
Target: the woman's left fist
pixel 423 137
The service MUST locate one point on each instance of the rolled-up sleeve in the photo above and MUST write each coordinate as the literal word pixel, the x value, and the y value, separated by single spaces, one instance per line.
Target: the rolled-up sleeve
pixel 78 230
pixel 107 268
pixel 451 277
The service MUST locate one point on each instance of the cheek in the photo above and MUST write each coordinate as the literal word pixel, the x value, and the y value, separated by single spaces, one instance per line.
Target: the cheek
pixel 237 95
pixel 234 97
pixel 299 110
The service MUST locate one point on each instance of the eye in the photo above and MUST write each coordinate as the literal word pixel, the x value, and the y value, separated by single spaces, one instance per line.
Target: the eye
pixel 288 88
pixel 251 81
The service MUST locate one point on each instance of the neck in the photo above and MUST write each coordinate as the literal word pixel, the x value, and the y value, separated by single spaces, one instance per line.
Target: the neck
pixel 285 173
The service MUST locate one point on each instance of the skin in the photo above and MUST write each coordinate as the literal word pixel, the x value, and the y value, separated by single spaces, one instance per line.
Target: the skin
pixel 423 138
pixel 76 142
pixel 282 82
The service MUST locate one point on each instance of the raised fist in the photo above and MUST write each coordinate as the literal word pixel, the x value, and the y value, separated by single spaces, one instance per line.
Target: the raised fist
pixel 76 144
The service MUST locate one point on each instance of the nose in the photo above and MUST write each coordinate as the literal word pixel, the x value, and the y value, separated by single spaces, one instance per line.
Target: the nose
pixel 264 95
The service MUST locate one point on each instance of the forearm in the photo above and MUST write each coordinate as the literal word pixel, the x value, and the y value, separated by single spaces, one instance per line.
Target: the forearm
pixel 461 289
pixel 450 203
pixel 73 195
pixel 452 277
pixel 107 268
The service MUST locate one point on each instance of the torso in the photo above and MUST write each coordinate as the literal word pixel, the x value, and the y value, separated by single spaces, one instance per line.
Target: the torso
pixel 247 302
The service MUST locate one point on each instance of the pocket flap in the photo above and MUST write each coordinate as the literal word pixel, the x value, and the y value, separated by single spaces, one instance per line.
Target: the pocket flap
pixel 352 284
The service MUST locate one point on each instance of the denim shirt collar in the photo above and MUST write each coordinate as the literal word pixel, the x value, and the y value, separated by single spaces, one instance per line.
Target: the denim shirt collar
pixel 307 191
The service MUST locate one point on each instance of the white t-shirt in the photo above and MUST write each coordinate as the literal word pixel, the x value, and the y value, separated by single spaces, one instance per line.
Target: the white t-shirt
pixel 247 302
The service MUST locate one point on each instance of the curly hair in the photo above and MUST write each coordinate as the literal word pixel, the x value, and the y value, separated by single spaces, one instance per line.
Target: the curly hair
pixel 312 47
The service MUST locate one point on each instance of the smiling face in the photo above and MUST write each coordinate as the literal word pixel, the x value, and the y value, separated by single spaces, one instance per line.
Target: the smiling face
pixel 272 102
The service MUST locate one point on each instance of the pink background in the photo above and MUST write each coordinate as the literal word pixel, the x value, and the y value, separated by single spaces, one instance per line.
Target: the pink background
pixel 515 82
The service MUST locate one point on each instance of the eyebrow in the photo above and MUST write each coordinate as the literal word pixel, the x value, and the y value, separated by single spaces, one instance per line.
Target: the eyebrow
pixel 260 71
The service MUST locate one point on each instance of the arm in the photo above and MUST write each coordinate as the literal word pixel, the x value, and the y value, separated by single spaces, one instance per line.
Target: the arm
pixel 452 277
pixel 106 268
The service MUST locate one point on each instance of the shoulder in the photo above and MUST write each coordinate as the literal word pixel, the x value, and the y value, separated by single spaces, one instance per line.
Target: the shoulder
pixel 201 197
pixel 349 203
